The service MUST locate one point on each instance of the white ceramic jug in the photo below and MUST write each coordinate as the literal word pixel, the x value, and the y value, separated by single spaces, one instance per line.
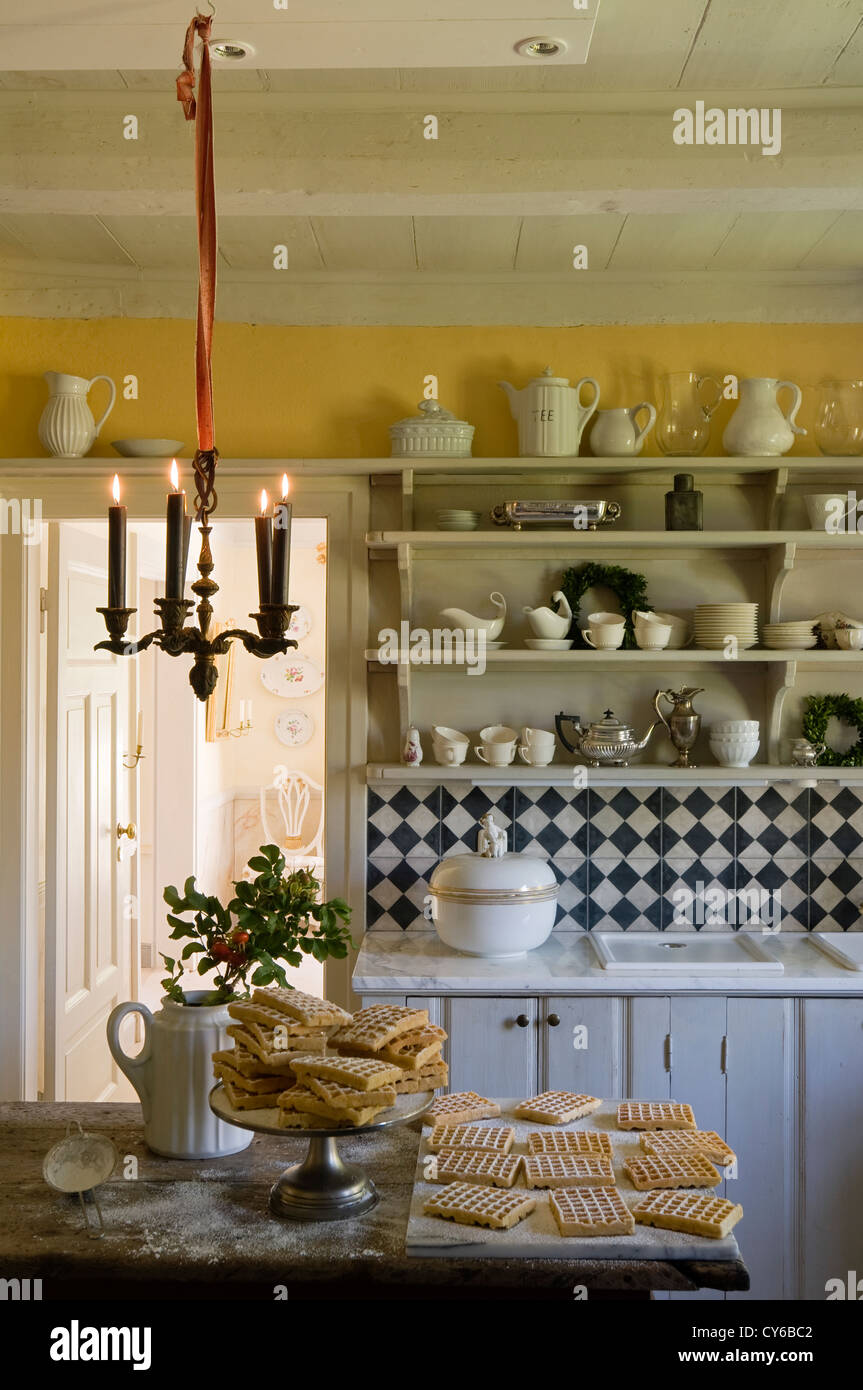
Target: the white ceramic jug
pixel 550 416
pixel 548 623
pixel 615 433
pixel 67 428
pixel 758 428
pixel 173 1075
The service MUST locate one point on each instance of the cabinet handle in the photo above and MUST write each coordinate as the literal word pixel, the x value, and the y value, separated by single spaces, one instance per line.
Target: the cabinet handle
pixel 522 1020
pixel 724 1056
pixel 668 1053
pixel 554 1020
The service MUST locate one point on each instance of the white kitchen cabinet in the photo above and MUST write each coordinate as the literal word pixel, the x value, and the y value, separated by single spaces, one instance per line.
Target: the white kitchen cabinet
pixel 832 1158
pixel 493 1045
pixel 580 1044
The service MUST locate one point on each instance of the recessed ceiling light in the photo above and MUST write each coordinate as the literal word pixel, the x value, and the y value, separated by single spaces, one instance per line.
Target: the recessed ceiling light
pixel 231 50
pixel 543 47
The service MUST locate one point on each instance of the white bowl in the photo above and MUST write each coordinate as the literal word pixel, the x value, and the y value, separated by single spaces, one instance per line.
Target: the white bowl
pixel 147 448
pixel 735 728
pixel 817 509
pixel 734 752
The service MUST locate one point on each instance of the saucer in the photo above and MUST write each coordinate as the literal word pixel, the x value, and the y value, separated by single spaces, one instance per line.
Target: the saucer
pixel 548 644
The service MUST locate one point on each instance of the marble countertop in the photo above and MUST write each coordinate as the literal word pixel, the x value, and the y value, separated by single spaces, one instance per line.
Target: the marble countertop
pixel 419 963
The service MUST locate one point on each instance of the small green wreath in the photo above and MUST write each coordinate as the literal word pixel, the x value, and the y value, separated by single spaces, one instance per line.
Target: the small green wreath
pixel 629 589
pixel 819 709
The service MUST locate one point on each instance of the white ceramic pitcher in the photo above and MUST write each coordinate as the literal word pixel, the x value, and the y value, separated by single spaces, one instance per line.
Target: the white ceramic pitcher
pixel 759 428
pixel 550 416
pixel 615 433
pixel 173 1075
pixel 67 428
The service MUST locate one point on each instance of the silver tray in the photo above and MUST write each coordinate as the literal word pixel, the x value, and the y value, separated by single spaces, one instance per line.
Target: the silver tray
pixel 578 515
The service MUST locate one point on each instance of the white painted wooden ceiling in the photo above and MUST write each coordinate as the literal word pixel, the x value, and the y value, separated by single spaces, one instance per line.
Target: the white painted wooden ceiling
pixel 477 226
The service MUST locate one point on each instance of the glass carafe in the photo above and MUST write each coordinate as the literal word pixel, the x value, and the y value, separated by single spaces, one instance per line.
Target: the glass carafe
pixel 839 423
pixel 685 412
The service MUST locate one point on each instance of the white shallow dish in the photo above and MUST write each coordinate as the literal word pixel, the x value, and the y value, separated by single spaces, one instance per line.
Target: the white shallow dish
pixel 147 448
pixel 291 676
pixel 294 728
pixel 548 644
pixel 684 953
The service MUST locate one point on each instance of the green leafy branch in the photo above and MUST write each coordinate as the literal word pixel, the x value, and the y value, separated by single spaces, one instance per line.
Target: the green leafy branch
pixel 629 588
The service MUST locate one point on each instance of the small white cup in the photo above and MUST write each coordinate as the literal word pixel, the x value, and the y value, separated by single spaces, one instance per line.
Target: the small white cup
pixel 605 619
pixel 449 754
pixel 652 637
pixel 534 756
pixel 495 754
pixel 850 639
pixel 606 638
pixel 498 733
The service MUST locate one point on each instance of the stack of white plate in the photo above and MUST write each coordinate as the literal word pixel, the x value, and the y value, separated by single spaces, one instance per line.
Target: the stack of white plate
pixel 791 637
pixel 457 519
pixel 716 622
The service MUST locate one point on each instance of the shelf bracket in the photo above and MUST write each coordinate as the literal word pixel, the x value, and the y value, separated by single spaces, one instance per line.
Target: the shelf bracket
pixel 403 672
pixel 407 499
pixel 781 677
pixel 776 496
pixel 780 564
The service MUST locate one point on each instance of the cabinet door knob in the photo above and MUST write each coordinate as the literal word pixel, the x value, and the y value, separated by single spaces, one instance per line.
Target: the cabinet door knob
pixel 554 1020
pixel 522 1021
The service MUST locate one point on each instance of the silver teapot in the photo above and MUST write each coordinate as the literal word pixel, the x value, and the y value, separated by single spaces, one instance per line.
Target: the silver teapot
pixel 607 743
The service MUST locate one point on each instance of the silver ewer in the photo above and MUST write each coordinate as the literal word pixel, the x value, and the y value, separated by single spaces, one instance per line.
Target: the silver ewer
pixel 683 724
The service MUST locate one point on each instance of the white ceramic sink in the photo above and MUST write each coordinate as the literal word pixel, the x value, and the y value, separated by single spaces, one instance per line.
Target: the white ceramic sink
pixel 684 953
pixel 844 948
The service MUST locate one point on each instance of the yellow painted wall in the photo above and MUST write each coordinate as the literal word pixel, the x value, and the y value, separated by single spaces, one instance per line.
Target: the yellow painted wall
pixel 331 392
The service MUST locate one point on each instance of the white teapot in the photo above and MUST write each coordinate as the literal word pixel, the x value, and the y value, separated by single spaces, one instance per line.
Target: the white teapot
pixel 550 416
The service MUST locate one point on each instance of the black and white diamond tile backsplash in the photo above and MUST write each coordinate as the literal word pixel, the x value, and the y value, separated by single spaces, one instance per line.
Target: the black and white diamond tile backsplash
pixel 636 858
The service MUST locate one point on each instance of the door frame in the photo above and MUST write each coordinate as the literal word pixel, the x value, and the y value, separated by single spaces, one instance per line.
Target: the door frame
pixel 78 490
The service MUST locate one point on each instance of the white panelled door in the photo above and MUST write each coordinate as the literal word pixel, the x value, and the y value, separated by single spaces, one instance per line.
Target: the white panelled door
pixel 89 917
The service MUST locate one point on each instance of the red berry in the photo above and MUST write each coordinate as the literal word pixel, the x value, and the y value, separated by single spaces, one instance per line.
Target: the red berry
pixel 239 938
pixel 220 950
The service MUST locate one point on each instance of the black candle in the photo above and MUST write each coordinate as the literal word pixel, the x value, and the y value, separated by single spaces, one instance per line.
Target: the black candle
pixel 264 546
pixel 116 551
pixel 282 514
pixel 174 567
pixel 187 532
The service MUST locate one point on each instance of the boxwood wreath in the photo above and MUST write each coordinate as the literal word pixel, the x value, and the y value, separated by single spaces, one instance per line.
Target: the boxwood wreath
pixel 818 711
pixel 629 589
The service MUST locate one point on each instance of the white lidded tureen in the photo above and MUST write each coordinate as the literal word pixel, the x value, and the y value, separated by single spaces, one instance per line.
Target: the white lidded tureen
pixel 434 431
pixel 493 903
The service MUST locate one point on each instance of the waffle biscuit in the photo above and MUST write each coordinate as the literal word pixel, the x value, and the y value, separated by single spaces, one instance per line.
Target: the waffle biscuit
pixel 266 1017
pixel 468 1204
pixel 591 1211
pixel 567 1170
pixel 379 1024
pixel 307 1103
pixel 496 1139
pixel 340 1097
pixel 691 1212
pixel 406 1042
pixel 665 1143
pixel 243 1100
pixel 250 1085
pixel 361 1073
pixel 298 1119
pixel 305 1008
pixel 429 1079
pixel 467 1165
pixel 678 1170
pixel 655 1114
pixel 460 1108
pixel 249 1064
pixel 270 1055
pixel 411 1060
pixel 592 1143
pixel 556 1107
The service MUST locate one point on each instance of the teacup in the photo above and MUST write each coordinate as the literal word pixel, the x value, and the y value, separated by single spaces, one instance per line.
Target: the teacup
pixel 449 746
pixel 606 619
pixel 605 637
pixel 498 733
pixel 495 754
pixel 652 637
pixel 850 639
pixel 537 747
pixel 680 633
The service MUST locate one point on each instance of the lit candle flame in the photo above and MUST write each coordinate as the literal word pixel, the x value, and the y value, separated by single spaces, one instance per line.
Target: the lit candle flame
pixel 265 502
pixel 286 487
pixel 175 476
pixel 116 487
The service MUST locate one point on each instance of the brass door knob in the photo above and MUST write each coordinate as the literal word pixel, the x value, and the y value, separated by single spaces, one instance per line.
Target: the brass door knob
pixel 523 1021
pixel 130 830
pixel 553 1020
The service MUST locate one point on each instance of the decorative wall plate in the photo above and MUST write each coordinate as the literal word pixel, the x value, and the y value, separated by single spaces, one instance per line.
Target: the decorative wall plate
pixel 300 624
pixel 294 728
pixel 291 676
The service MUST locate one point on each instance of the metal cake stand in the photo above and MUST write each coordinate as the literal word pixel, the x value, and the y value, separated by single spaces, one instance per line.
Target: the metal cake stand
pixel 322 1187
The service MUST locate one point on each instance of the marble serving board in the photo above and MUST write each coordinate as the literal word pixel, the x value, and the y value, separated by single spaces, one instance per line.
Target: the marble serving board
pixel 537 1236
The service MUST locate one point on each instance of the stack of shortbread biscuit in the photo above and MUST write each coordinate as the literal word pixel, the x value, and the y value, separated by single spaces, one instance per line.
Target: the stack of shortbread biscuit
pixel 271 1029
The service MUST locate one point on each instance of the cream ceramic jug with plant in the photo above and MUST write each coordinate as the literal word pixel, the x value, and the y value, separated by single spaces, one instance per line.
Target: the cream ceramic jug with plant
pixel 67 428
pixel 759 428
pixel 273 915
pixel 550 415
pixel 615 433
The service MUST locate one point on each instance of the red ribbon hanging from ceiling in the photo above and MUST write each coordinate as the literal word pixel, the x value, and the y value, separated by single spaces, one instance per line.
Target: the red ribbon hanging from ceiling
pixel 201 112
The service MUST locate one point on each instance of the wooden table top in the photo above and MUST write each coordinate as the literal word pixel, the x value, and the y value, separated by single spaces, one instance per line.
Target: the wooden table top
pixel 203 1227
